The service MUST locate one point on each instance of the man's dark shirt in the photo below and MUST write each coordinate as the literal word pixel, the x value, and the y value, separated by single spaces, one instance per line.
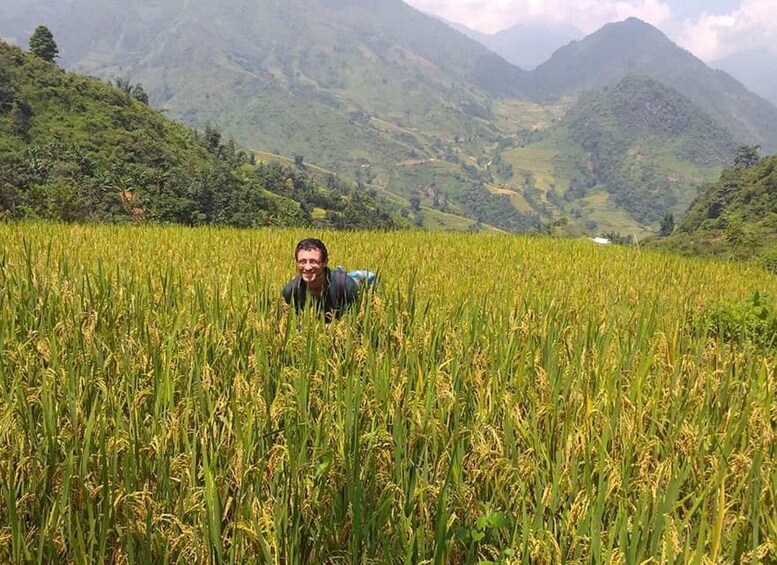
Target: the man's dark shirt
pixel 340 291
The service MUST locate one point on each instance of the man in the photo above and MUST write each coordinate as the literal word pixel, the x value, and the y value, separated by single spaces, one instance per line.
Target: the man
pixel 333 292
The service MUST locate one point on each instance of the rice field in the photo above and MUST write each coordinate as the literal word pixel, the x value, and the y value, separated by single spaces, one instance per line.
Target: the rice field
pixel 498 399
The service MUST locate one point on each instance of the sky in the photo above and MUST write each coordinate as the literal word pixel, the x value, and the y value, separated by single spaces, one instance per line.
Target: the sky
pixel 710 29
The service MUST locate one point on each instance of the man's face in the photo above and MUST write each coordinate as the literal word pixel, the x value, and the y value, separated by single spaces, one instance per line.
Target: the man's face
pixel 311 268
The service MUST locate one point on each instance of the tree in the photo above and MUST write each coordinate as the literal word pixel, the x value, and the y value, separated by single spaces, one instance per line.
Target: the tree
pixel 139 94
pixel 124 85
pixel 747 156
pixel 415 202
pixel 667 225
pixel 212 140
pixel 742 237
pixel 7 90
pixel 20 118
pixel 42 44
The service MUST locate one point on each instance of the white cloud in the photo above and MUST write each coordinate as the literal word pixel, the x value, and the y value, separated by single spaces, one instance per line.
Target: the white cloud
pixel 751 26
pixel 586 15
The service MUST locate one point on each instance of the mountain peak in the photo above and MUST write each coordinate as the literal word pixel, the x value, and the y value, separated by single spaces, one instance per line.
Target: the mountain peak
pixel 603 58
pixel 632 47
pixel 631 35
pixel 634 22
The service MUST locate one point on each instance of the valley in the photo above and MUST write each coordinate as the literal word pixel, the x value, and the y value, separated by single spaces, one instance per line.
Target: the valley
pixel 410 108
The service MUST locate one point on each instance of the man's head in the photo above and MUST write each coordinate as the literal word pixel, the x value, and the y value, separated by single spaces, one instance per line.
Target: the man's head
pixel 311 257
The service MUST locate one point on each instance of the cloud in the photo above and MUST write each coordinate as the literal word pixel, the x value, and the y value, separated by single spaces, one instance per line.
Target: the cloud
pixel 587 15
pixel 751 26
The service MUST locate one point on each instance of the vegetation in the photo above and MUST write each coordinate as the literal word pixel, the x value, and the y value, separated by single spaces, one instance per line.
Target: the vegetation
pixel 42 44
pixel 379 90
pixel 621 160
pixel 667 225
pixel 76 149
pixel 620 49
pixel 564 403
pixel 497 210
pixel 366 89
pixel 348 86
pixel 630 134
pixel 136 91
pixel 735 216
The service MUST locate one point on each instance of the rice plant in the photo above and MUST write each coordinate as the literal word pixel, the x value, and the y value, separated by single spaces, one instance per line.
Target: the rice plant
pixel 498 399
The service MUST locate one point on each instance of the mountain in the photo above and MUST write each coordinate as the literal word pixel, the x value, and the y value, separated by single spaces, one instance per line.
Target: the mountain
pixel 262 28
pixel 756 69
pixel 525 45
pixel 634 47
pixel 735 216
pixel 631 132
pixel 335 60
pixel 626 156
pixel 76 149
pixel 372 89
pixel 744 193
pixel 404 104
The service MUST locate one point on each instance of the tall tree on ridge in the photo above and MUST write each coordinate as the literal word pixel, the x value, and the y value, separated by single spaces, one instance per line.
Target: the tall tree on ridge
pixel 139 94
pixel 42 44
pixel 747 156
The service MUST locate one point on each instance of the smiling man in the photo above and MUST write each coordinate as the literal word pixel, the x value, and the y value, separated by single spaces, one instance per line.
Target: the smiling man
pixel 332 292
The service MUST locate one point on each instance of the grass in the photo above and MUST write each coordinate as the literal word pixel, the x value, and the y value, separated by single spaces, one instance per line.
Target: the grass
pixel 536 159
pixel 499 398
pixel 610 217
pixel 511 114
pixel 516 198
pixel 438 220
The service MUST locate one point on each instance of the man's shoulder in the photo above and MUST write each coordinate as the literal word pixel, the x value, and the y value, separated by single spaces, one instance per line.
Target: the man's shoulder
pixel 344 285
pixel 340 276
pixel 350 284
pixel 288 290
pixel 339 280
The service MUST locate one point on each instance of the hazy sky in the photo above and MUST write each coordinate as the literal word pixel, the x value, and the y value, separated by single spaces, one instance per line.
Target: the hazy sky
pixel 710 29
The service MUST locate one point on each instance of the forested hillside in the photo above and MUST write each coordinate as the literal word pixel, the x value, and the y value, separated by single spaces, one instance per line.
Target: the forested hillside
pixel 77 149
pixel 632 136
pixel 419 114
pixel 344 83
pixel 735 216
pixel 375 91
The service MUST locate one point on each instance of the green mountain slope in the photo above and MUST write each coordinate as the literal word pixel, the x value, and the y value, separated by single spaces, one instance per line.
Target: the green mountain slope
pixel 363 89
pixel 624 157
pixel 414 110
pixel 74 148
pixel 304 76
pixel 634 47
pixel 736 215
